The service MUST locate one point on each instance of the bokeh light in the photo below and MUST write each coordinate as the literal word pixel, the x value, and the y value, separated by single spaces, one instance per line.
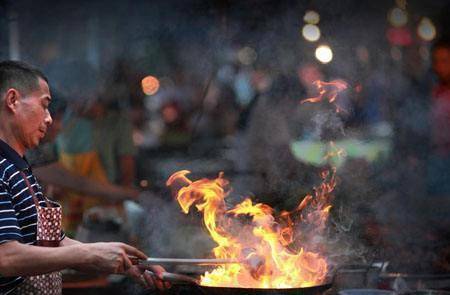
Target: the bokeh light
pixel 311 17
pixel 324 54
pixel 426 29
pixel 143 183
pixel 401 3
pixel 247 56
pixel 150 85
pixel 311 32
pixel 397 17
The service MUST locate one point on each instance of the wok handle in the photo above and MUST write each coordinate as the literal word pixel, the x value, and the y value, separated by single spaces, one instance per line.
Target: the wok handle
pixel 175 278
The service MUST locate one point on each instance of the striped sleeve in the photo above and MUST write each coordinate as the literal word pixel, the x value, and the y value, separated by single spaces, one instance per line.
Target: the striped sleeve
pixel 9 226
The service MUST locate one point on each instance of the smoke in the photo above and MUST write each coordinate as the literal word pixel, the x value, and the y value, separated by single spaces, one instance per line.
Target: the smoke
pixel 167 232
pixel 327 125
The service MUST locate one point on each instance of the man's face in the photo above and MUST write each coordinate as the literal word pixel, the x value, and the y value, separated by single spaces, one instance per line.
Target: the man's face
pixel 33 117
pixel 441 64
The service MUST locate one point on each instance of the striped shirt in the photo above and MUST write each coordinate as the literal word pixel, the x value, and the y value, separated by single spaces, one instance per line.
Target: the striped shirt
pixel 18 217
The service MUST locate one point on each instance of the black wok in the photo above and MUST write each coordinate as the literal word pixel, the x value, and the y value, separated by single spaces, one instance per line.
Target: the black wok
pixel 315 290
pixel 177 279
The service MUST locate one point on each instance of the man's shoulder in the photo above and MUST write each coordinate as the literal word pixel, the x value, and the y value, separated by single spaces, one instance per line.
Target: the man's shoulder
pixel 7 171
pixel 4 164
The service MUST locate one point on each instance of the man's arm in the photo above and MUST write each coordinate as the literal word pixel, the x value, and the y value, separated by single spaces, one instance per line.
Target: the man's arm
pixel 127 170
pixel 135 272
pixel 58 175
pixel 68 242
pixel 18 259
pixel 126 152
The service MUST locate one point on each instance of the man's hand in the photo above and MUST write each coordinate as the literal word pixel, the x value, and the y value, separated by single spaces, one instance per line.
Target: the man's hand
pixel 150 277
pixel 114 258
pixel 108 257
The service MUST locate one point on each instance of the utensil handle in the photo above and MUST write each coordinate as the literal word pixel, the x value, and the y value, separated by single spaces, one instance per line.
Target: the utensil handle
pixel 166 276
pixel 175 278
pixel 187 261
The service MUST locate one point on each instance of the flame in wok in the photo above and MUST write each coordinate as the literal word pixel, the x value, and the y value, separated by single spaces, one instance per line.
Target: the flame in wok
pixel 270 246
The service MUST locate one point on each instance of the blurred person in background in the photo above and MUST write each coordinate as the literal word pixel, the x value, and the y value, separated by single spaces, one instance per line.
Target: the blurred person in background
pixel 113 141
pixel 44 160
pixel 216 115
pixel 260 82
pixel 176 130
pixel 33 248
pixel 96 142
pixel 439 168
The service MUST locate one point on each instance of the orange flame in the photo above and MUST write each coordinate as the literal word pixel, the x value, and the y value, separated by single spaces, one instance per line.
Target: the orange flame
pixel 328 91
pixel 269 247
pixel 334 151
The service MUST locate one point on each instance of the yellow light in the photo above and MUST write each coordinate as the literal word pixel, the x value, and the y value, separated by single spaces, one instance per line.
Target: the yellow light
pixel 324 54
pixel 311 17
pixel 426 29
pixel 397 17
pixel 311 32
pixel 150 85
pixel 143 183
pixel 401 4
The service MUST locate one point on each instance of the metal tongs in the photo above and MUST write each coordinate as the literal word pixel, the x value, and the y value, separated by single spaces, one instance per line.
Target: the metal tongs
pixel 186 261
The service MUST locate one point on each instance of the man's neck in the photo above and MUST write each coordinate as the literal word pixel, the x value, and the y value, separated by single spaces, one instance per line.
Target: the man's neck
pixel 8 137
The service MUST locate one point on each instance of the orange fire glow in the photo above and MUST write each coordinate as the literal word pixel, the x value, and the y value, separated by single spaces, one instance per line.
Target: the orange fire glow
pixel 328 91
pixel 334 151
pixel 271 248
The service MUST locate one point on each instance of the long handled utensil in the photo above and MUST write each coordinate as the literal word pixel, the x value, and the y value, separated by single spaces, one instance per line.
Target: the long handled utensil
pixel 185 261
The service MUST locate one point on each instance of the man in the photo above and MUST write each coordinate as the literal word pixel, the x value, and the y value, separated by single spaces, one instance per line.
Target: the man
pixel 27 218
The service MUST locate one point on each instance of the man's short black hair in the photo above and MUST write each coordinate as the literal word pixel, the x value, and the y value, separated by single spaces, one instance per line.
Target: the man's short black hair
pixel 20 76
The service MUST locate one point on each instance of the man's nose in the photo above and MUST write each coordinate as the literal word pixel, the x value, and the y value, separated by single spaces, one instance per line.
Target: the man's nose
pixel 48 118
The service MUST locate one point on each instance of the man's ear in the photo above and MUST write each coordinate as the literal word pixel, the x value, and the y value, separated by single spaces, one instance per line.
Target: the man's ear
pixel 12 99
